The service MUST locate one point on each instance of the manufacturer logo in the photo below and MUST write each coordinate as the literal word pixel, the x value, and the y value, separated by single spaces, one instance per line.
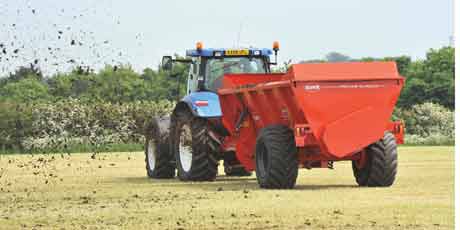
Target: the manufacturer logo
pixel 354 86
pixel 312 87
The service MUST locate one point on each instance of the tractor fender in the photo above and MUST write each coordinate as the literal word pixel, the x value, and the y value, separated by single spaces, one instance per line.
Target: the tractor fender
pixel 203 104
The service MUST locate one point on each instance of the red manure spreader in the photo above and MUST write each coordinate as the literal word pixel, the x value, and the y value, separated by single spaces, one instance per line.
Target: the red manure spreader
pixel 313 115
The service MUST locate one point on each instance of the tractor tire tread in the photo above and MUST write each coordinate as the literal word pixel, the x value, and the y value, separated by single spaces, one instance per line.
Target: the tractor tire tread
pixel 204 163
pixel 165 169
pixel 382 163
pixel 278 142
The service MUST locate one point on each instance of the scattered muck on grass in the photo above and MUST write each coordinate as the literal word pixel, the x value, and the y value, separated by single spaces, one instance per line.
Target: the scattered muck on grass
pixel 112 191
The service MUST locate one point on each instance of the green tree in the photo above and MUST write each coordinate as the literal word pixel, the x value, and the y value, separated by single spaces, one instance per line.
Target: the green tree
pixel 25 90
pixel 402 62
pixel 430 80
pixel 61 85
pixel 114 85
pixel 24 72
pixel 15 124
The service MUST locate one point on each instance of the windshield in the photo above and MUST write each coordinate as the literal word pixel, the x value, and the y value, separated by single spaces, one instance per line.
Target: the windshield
pixel 216 68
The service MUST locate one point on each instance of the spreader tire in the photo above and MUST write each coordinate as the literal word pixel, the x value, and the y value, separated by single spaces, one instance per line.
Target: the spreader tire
pixel 193 147
pixel 158 160
pixel 381 163
pixel 276 158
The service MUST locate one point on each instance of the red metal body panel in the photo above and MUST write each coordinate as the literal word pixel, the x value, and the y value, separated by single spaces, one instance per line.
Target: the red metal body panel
pixel 335 109
pixel 345 71
pixel 397 128
pixel 239 80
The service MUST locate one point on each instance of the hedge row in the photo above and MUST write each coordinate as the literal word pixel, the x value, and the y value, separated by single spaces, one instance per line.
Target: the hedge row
pixel 71 124
pixel 59 126
pixel 427 124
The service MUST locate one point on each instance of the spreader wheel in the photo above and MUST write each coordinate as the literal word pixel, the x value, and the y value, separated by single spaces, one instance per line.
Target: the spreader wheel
pixel 158 160
pixel 381 163
pixel 276 158
pixel 193 147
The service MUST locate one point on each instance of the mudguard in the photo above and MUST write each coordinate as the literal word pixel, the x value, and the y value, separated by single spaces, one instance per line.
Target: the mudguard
pixel 203 104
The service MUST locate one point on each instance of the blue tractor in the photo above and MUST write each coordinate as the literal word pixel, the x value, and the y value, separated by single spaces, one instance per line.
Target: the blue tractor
pixel 190 140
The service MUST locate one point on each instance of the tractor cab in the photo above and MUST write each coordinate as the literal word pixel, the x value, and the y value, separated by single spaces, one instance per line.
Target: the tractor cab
pixel 208 66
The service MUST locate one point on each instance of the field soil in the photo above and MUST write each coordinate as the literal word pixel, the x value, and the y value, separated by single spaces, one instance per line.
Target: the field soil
pixel 112 191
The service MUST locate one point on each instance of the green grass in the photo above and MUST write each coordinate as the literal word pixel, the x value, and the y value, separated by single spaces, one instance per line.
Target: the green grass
pixel 112 191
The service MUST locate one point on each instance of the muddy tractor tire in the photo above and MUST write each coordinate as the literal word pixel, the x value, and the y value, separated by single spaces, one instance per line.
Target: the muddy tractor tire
pixel 193 147
pixel 381 164
pixel 159 162
pixel 276 158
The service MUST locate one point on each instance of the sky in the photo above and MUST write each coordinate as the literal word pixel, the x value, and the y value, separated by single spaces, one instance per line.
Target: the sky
pixel 58 35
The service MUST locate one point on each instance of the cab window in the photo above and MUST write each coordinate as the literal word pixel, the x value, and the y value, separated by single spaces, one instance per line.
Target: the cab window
pixel 216 68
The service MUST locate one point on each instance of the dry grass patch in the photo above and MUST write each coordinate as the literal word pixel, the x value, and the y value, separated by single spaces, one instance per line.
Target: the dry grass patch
pixel 112 191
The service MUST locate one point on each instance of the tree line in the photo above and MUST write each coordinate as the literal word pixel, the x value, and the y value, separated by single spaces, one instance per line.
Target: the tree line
pixel 427 80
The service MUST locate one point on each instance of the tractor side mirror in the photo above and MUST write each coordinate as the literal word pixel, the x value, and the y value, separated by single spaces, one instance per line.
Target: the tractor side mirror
pixel 166 63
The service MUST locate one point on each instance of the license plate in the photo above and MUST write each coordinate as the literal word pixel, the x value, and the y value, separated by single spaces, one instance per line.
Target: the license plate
pixel 236 52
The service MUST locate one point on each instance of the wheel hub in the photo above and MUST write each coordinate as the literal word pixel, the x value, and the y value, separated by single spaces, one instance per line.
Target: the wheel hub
pixel 151 154
pixel 262 159
pixel 185 148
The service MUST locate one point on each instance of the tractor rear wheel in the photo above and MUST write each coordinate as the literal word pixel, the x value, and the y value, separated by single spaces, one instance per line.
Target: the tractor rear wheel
pixel 276 158
pixel 380 167
pixel 193 147
pixel 158 160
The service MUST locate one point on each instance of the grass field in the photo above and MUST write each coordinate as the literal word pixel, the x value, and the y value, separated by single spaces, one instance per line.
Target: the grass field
pixel 111 191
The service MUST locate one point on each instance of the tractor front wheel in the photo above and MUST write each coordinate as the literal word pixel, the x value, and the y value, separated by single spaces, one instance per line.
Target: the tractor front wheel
pixel 276 158
pixel 381 163
pixel 193 147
